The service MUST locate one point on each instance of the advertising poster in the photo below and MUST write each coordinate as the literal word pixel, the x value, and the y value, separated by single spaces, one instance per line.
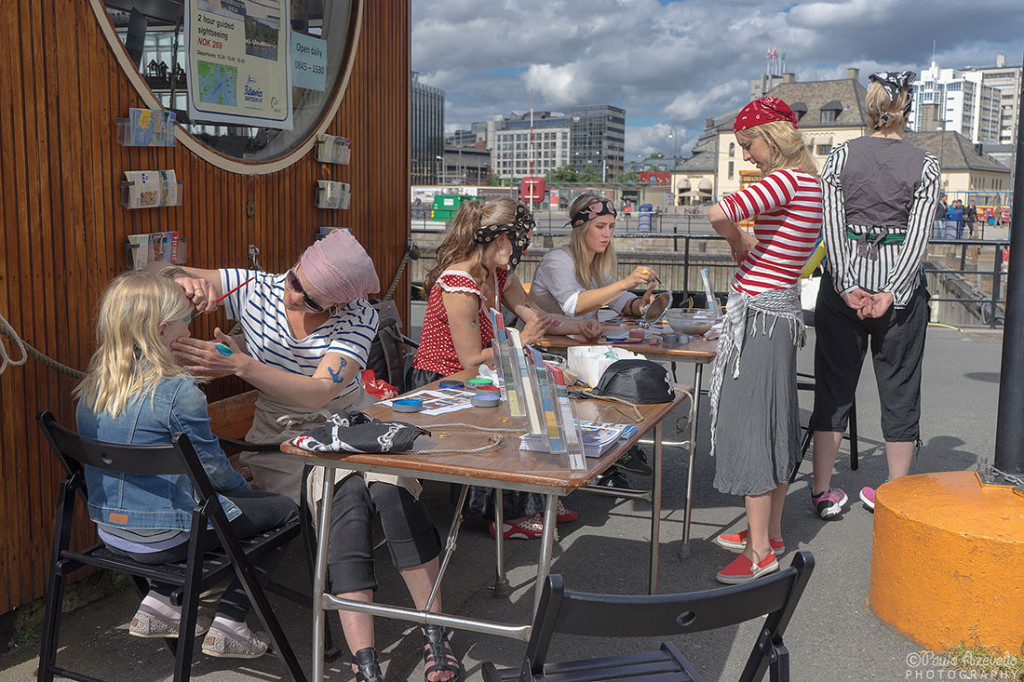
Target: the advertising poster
pixel 239 62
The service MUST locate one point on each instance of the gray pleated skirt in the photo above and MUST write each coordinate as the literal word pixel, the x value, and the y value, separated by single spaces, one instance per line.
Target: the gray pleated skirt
pixel 758 433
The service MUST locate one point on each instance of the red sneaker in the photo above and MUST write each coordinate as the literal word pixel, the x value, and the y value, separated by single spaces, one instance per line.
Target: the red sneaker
pixel 743 570
pixel 527 529
pixel 563 515
pixel 737 542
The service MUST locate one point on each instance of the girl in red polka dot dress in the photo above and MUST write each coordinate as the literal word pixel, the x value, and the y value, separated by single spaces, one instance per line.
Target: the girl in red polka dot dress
pixel 474 271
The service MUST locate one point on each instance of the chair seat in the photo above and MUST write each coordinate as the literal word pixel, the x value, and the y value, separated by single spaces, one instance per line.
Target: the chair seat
pixel 216 564
pixel 665 665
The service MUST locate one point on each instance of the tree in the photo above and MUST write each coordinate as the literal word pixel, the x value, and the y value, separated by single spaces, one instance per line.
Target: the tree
pixel 629 177
pixel 566 173
pixel 589 175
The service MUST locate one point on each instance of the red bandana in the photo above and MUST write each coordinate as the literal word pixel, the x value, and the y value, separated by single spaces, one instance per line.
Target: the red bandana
pixel 762 111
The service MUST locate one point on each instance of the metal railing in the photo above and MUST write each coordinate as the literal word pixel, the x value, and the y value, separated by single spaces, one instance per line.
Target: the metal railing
pixel 966 278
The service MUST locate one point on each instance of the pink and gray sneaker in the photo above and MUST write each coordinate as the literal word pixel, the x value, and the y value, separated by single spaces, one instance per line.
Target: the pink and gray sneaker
pixel 830 502
pixel 867 496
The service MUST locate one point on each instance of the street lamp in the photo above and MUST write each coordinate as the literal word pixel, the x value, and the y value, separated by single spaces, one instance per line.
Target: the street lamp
pixel 437 170
pixel 674 136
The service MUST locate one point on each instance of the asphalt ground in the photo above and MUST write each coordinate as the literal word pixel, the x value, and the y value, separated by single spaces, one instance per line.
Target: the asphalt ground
pixel 834 635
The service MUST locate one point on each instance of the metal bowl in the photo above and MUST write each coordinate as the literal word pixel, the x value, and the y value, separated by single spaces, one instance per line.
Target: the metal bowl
pixel 692 321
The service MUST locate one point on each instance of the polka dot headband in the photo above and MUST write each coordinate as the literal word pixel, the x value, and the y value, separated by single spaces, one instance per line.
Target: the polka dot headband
pixel 761 111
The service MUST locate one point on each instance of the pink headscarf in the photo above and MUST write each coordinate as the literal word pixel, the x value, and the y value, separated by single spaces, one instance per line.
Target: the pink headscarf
pixel 339 268
pixel 762 111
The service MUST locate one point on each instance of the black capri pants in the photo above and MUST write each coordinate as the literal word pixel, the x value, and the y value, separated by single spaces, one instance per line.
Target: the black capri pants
pixel 411 536
pixel 897 351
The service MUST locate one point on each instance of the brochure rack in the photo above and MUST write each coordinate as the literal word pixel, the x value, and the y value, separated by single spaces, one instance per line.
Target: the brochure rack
pixel 331 194
pixel 150 189
pixel 143 249
pixel 332 149
pixel 147 128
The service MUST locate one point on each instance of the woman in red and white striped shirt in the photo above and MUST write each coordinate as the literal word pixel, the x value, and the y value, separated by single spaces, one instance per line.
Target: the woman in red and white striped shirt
pixel 755 427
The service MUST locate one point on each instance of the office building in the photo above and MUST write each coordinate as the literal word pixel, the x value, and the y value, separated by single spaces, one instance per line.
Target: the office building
pixel 1007 80
pixel 589 136
pixel 958 101
pixel 427 133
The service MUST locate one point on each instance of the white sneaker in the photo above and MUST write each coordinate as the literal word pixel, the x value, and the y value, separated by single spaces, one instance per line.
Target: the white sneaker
pixel 148 623
pixel 223 644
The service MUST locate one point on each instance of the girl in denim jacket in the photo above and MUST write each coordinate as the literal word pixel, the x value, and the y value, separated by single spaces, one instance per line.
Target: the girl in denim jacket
pixel 135 392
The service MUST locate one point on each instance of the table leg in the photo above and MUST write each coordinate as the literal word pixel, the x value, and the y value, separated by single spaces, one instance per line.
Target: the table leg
pixel 547 546
pixel 698 371
pixel 655 510
pixel 320 574
pixel 501 587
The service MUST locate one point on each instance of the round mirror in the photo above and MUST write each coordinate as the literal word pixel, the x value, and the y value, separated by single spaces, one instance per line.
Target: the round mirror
pixel 652 313
pixel 268 74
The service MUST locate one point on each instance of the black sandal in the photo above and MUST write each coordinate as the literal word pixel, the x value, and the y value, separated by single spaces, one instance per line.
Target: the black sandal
pixel 438 656
pixel 369 669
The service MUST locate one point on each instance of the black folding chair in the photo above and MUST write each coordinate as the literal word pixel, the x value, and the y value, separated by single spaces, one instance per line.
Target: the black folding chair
pixel 202 569
pixel 605 615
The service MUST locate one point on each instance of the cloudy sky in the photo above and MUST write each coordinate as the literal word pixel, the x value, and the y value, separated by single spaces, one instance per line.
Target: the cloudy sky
pixel 673 63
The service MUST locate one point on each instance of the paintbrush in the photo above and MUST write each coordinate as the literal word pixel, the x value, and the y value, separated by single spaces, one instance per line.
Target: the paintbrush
pixel 190 317
pixel 656 279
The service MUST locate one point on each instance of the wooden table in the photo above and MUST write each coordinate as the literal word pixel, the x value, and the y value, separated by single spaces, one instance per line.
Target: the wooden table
pixel 698 351
pixel 503 467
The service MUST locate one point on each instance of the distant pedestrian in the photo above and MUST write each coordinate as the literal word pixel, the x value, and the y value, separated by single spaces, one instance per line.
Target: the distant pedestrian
pixel 971 217
pixel 940 215
pixel 880 195
pixel 955 219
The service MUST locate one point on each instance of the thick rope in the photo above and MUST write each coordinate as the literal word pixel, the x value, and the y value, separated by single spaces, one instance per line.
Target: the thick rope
pixel 398 274
pixel 28 351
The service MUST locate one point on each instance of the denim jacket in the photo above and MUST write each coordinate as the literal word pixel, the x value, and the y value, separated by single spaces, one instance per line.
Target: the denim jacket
pixel 156 502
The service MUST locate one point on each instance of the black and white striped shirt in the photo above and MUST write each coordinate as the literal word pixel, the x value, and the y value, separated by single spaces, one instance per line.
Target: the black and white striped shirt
pixel 259 306
pixel 874 185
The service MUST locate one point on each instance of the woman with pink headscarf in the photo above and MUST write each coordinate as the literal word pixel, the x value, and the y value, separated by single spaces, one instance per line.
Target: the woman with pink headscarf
pixel 307 336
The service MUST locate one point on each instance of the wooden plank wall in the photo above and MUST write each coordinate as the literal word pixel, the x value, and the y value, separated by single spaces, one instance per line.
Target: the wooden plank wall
pixel 64 231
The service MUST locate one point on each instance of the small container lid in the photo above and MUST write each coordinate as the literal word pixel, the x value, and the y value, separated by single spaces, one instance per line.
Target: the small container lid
pixel 477 382
pixel 451 383
pixel 488 390
pixel 407 405
pixel 485 400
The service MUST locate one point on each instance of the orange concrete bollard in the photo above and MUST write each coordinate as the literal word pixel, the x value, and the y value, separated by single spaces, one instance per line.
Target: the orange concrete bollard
pixel 947 561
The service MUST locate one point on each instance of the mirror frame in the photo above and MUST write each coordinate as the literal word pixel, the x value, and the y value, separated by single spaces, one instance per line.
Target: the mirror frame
pixel 218 159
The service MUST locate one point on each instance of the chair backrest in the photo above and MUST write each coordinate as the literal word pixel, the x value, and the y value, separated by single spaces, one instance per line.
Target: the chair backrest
pixel 178 457
pixel 563 611
pixel 388 349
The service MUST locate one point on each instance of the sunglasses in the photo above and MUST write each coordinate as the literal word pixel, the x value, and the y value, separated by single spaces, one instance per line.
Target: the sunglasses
pixel 293 283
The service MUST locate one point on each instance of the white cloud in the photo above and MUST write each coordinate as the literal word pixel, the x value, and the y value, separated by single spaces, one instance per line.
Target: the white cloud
pixel 677 63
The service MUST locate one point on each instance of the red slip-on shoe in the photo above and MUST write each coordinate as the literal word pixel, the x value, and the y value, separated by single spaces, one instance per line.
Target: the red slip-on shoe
pixel 737 542
pixel 563 515
pixel 743 570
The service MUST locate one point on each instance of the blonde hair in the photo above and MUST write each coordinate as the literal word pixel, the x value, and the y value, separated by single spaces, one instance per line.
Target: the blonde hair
pixel 601 270
pixel 878 104
pixel 459 243
pixel 787 146
pixel 130 359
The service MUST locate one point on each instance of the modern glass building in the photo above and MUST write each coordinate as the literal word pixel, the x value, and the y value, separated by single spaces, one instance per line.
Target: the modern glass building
pixel 427 123
pixel 597 138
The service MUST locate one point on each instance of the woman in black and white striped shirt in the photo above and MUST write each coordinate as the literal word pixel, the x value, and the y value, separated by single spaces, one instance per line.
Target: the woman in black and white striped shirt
pixel 879 196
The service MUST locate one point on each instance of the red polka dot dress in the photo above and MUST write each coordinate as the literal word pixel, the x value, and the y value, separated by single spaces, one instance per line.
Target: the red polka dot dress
pixel 436 352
